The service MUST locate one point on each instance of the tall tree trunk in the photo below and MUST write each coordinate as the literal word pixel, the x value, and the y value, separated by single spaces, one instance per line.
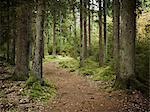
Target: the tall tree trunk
pixel 48 34
pixel 13 46
pixel 61 18
pixel 8 31
pixel 37 62
pixel 54 35
pixel 100 35
pixel 75 32
pixel 8 48
pixel 85 29
pixel 105 28
pixel 89 27
pixel 92 13
pixel 30 33
pixel 116 34
pixel 81 35
pixel 74 18
pixel 127 43
pixel 13 50
pixel 22 42
pixel 13 35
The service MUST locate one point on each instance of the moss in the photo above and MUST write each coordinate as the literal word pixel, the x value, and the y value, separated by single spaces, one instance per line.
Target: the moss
pixel 104 73
pixel 87 72
pixel 70 64
pixel 37 91
pixel 31 80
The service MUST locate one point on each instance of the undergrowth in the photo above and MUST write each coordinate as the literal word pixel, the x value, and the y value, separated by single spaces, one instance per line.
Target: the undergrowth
pixel 37 91
pixel 90 69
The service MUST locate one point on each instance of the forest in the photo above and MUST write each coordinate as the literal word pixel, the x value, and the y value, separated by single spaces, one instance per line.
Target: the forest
pixel 74 55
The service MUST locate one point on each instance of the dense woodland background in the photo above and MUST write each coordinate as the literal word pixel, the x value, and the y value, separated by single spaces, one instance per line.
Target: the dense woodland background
pixel 107 39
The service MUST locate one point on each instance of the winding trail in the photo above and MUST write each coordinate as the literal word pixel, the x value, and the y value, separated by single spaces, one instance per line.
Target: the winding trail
pixel 76 93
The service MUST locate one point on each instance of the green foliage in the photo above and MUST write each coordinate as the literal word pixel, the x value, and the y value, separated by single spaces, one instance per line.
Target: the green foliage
pixel 104 73
pixel 87 72
pixel 37 91
pixel 91 67
pixel 31 80
pixel 72 64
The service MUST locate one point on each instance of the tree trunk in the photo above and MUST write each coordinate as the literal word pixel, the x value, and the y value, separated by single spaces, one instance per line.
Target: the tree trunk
pixel 116 34
pixel 61 18
pixel 13 51
pixel 8 48
pixel 74 18
pixel 22 43
pixel 105 28
pixel 81 35
pixel 13 35
pixel 37 62
pixel 54 35
pixel 8 31
pixel 100 35
pixel 48 40
pixel 89 27
pixel 127 43
pixel 92 14
pixel 85 29
pixel 75 33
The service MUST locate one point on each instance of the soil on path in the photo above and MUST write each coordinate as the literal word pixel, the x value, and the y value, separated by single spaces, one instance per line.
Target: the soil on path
pixel 76 93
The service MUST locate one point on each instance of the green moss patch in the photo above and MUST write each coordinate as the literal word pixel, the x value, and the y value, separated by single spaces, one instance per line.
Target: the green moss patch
pixel 37 91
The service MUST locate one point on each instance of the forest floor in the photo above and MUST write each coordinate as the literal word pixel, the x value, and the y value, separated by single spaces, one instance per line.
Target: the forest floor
pixel 75 93
pixel 79 94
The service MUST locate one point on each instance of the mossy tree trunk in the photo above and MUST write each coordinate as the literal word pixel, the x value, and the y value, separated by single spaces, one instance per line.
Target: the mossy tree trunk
pixel 127 44
pixel 37 69
pixel 22 42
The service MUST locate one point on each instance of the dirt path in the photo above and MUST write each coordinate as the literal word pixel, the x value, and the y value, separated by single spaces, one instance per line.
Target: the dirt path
pixel 76 93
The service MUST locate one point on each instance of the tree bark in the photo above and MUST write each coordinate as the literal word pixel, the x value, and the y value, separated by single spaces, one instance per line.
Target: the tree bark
pixel 13 34
pixel 22 43
pixel 89 28
pixel 75 32
pixel 8 31
pixel 116 34
pixel 61 18
pixel 127 43
pixel 85 29
pixel 37 62
pixel 100 35
pixel 74 18
pixel 13 51
pixel 54 35
pixel 81 35
pixel 8 47
pixel 105 28
pixel 92 13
